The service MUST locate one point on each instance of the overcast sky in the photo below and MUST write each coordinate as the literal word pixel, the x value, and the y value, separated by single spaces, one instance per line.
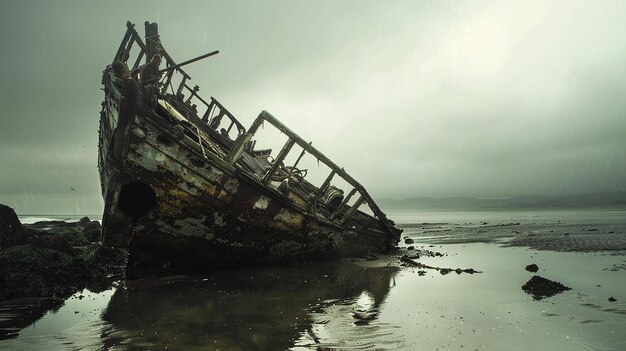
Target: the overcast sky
pixel 414 98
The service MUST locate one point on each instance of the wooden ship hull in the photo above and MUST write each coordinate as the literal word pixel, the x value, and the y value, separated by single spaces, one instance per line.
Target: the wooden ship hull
pixel 183 194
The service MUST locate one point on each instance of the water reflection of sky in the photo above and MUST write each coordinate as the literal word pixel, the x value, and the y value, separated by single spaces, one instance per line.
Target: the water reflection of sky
pixel 266 308
pixel 346 306
pixel 363 305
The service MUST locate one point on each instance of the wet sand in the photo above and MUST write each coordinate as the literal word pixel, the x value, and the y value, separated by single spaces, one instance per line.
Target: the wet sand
pixel 378 304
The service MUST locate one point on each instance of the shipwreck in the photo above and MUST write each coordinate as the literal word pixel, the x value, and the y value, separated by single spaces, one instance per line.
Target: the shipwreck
pixel 186 189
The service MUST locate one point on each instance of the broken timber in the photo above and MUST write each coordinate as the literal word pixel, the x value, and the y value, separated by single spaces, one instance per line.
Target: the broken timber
pixel 185 188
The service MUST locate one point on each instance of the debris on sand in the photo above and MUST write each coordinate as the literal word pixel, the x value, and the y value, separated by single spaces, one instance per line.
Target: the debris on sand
pixel 410 262
pixel 540 287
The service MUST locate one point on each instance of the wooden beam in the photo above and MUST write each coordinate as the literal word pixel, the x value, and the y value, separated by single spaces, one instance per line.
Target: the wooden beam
pixel 152 39
pixel 352 209
pixel 178 66
pixel 279 159
pixel 343 203
pixel 321 190
pixel 299 157
pixel 122 47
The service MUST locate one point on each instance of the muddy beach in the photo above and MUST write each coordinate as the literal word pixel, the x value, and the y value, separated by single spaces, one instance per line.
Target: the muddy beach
pixel 415 298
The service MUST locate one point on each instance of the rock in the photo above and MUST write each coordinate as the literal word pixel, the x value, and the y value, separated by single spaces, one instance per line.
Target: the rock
pixel 83 222
pixel 405 259
pixel 11 229
pixel 533 268
pixel 612 299
pixel 411 248
pixel 56 235
pixel 409 241
pixel 92 231
pixel 29 271
pixel 54 242
pixel 364 317
pixel 445 271
pixel 55 258
pixel 540 287
pixel 47 225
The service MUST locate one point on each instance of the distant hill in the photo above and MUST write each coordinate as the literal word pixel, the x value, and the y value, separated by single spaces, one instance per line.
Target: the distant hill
pixel 616 200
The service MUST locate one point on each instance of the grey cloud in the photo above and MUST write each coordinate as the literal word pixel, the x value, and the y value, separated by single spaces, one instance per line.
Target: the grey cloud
pixel 475 98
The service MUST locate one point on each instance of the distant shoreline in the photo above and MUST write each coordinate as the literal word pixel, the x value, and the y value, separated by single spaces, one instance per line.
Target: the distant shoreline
pixel 613 201
pixel 534 209
pixel 598 201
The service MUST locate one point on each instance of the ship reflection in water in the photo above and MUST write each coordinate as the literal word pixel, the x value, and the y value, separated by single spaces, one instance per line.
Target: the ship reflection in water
pixel 306 306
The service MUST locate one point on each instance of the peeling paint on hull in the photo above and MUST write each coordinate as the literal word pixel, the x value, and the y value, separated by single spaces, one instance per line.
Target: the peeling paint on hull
pixel 201 213
pixel 180 204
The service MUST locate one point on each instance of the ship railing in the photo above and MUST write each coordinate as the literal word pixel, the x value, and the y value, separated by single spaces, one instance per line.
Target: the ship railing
pixel 213 112
pixel 343 212
pixel 124 51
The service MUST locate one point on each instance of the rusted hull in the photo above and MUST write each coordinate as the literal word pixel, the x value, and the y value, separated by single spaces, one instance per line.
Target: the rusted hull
pixel 183 196
pixel 207 216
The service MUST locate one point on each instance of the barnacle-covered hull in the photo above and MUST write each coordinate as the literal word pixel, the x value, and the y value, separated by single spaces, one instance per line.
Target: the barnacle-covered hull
pixel 183 196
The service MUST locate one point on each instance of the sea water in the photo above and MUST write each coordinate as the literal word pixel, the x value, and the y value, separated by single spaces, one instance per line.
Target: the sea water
pixel 378 304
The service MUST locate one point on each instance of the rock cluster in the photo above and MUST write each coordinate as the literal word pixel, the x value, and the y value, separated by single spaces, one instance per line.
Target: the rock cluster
pixel 11 229
pixel 53 258
pixel 540 287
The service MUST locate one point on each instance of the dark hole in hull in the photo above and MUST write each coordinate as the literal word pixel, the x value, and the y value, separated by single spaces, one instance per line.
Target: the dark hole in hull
pixel 136 199
pixel 164 139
